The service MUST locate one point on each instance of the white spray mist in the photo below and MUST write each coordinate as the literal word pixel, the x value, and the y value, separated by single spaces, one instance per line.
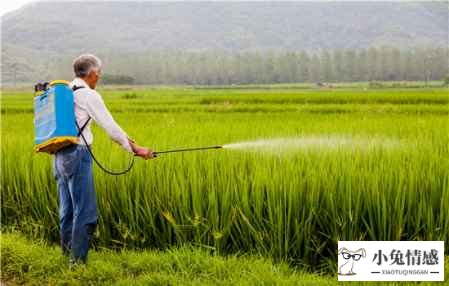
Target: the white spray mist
pixel 330 142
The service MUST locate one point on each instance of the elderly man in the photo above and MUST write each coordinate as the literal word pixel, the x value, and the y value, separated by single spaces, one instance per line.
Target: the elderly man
pixel 73 165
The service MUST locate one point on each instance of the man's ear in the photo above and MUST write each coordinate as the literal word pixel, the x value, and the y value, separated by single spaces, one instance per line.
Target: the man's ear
pixel 361 251
pixel 342 249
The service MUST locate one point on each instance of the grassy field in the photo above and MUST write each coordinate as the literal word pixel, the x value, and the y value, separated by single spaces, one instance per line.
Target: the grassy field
pixel 25 262
pixel 345 164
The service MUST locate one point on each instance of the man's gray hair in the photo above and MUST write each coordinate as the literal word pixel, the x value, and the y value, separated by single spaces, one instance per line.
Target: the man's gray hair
pixel 84 64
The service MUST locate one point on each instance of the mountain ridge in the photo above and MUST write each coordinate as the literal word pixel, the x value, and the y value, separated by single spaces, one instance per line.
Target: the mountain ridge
pixel 139 26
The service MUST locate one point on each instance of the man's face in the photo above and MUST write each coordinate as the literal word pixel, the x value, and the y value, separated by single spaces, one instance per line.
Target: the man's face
pixel 93 78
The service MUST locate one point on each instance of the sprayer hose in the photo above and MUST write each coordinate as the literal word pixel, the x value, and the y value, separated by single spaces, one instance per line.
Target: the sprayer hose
pixel 131 164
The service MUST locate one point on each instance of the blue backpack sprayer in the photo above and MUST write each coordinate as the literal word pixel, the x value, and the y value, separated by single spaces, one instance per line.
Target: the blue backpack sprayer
pixel 55 123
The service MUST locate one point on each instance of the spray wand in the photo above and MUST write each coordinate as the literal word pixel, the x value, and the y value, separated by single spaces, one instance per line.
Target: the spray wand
pixel 187 150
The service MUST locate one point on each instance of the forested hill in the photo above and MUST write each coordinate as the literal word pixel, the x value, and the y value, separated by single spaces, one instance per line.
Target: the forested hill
pixel 60 27
pixel 42 33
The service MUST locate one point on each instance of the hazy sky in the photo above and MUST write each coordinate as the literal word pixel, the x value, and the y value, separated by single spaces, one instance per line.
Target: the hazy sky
pixel 10 5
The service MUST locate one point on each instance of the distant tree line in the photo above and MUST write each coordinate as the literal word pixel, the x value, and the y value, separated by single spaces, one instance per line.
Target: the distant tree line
pixel 347 65
pixel 117 79
pixel 221 68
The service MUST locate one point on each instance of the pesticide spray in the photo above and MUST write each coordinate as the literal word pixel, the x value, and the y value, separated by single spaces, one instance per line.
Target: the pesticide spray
pixel 300 143
pixel 317 143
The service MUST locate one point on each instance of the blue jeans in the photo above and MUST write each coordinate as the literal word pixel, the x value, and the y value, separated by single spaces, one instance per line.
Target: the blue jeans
pixel 77 203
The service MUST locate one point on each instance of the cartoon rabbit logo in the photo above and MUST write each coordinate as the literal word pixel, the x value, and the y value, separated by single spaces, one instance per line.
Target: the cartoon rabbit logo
pixel 349 257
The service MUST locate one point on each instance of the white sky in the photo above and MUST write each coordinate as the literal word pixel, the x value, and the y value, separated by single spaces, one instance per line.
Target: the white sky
pixel 11 5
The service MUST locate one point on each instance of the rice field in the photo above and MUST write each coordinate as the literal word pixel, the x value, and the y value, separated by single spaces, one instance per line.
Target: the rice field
pixel 303 168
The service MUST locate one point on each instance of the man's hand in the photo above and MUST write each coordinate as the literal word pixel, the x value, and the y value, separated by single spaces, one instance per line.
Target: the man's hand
pixel 143 152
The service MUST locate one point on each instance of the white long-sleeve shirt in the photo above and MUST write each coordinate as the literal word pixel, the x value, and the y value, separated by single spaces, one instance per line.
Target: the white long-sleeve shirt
pixel 89 103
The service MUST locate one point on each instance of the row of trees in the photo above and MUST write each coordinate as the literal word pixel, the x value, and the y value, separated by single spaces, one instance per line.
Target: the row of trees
pixel 117 79
pixel 220 68
pixel 383 64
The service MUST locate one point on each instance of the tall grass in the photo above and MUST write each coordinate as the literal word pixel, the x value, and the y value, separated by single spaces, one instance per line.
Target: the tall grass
pixel 292 206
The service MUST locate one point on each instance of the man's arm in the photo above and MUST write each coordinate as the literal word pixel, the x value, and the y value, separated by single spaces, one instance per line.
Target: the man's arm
pixel 101 115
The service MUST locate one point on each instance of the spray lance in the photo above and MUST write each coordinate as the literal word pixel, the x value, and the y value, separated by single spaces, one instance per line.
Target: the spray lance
pixel 187 150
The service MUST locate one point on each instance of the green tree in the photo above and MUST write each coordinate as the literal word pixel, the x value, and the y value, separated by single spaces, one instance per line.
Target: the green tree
pixel 304 66
pixel 338 65
pixel 373 63
pixel 362 68
pixel 314 75
pixel 349 58
pixel 326 66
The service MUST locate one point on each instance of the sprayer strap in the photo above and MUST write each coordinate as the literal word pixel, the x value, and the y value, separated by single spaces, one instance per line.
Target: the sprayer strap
pixel 75 88
pixel 80 130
